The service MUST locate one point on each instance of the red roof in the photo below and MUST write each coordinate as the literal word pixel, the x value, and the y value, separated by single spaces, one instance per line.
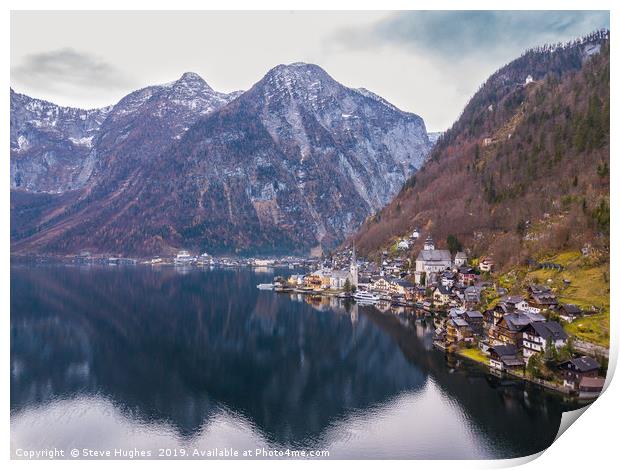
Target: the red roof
pixel 592 382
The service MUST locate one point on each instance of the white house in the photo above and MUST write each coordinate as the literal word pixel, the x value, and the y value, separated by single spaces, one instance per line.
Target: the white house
pixel 515 301
pixel 448 279
pixel 381 285
pixel 460 259
pixel 441 295
pixel 528 308
pixel 296 279
pixel 536 335
pixel 486 264
pixel 403 245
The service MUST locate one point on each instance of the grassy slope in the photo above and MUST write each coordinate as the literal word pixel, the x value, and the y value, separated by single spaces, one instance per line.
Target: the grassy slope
pixel 589 287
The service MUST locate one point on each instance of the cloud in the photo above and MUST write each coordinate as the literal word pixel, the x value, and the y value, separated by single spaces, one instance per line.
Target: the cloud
pixel 436 60
pixel 466 34
pixel 68 71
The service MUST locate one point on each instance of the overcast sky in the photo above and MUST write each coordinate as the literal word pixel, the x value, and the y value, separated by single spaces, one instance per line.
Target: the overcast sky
pixel 429 63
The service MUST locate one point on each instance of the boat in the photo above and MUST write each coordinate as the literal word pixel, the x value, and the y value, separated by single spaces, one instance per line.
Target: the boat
pixel 344 295
pixel 266 286
pixel 365 297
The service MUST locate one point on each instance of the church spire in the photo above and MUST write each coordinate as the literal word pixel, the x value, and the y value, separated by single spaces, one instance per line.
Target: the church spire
pixel 353 268
pixel 429 244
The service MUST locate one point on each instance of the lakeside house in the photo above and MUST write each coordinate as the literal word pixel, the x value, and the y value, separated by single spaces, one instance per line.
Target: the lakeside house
pixel 183 257
pixel 402 287
pixel 509 330
pixel 381 285
pixel 591 387
pixel 327 277
pixel 475 320
pixel 576 369
pixel 537 336
pixel 505 357
pixel 458 330
pixel 296 280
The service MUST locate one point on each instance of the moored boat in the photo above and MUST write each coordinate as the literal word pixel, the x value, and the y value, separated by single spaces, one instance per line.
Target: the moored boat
pixel 365 297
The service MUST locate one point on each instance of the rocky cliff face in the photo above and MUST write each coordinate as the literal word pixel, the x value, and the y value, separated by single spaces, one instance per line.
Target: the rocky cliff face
pixel 296 162
pixel 56 149
pixel 50 144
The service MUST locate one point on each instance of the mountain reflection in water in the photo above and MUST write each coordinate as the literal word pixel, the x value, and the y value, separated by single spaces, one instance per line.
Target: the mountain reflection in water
pixel 145 357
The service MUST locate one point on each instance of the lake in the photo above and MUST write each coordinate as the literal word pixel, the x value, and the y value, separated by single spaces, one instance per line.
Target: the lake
pixel 150 362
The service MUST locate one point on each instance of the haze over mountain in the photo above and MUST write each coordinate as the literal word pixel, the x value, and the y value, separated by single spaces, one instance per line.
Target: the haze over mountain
pixel 524 171
pixel 298 161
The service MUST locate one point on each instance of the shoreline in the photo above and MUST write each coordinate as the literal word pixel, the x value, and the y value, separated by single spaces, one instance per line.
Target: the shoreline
pixel 559 389
pixel 335 293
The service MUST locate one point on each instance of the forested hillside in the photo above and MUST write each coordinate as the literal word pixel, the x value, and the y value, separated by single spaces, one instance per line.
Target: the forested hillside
pixel 524 172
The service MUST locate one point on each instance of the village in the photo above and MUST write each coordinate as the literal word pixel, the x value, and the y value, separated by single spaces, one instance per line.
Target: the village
pixel 517 334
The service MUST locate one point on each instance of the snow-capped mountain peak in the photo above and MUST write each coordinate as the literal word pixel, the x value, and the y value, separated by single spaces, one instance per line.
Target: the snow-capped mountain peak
pixel 74 142
pixel 193 81
pixel 297 161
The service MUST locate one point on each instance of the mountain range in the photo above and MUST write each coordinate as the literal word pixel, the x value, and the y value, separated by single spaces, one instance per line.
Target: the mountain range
pixel 300 162
pixel 295 163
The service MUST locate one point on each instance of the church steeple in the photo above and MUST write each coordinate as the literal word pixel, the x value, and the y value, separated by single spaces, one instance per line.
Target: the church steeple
pixel 353 268
pixel 429 244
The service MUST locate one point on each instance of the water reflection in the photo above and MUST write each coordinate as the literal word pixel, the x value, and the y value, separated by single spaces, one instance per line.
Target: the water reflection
pixel 204 357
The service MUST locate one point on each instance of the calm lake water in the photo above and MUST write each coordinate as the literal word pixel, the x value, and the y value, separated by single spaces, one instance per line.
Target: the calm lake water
pixel 140 358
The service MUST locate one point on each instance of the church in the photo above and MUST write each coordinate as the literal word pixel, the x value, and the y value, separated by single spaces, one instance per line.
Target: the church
pixel 430 262
pixel 338 279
